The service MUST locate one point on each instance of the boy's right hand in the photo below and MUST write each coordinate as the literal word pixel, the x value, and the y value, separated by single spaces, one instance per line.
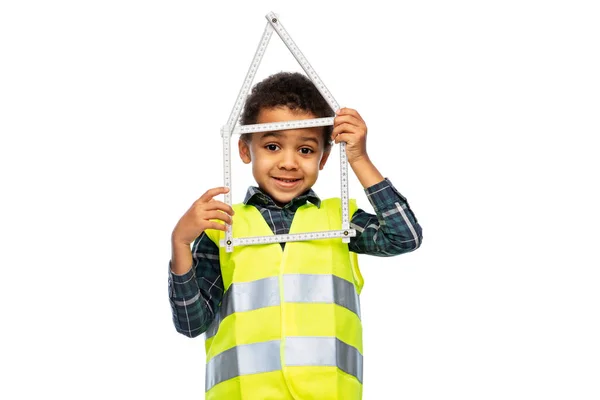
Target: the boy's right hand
pixel 198 218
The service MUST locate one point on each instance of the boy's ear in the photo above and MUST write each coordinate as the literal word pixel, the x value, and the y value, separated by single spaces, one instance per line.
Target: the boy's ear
pixel 244 151
pixel 324 159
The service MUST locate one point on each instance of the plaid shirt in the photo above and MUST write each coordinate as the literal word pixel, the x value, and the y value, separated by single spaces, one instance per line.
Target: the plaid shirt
pixel 196 296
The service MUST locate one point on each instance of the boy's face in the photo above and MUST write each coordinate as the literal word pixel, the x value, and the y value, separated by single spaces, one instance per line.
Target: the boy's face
pixel 285 163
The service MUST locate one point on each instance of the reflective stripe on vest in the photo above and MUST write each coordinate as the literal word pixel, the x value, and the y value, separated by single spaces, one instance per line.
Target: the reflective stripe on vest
pixel 297 288
pixel 299 351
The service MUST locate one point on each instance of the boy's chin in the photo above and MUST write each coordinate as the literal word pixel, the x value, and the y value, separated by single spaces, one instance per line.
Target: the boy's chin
pixel 282 200
pixel 283 193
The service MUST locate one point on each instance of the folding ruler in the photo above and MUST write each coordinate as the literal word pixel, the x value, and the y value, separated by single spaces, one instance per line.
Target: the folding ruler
pixel 226 131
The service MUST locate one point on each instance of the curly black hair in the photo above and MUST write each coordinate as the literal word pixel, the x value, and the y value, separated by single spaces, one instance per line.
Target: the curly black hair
pixel 288 89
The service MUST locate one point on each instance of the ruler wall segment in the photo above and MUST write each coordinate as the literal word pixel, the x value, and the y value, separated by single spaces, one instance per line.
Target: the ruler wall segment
pixel 344 189
pixel 226 136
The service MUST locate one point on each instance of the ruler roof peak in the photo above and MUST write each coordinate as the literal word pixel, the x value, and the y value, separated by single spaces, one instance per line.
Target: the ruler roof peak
pixel 274 24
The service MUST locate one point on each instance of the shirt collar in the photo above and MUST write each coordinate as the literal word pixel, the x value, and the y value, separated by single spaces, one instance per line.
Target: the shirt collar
pixel 255 196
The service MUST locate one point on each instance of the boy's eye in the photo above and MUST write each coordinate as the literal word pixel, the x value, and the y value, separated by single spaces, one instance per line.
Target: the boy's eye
pixel 271 147
pixel 305 150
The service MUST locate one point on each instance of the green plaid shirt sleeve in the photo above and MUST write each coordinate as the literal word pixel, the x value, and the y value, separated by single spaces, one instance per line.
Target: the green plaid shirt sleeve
pixel 196 296
pixel 392 230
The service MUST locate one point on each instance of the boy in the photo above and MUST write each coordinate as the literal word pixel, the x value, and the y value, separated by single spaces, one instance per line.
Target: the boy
pixel 282 321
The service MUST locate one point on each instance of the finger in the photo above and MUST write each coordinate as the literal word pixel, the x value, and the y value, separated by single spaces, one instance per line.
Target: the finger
pixel 350 119
pixel 344 128
pixel 210 193
pixel 216 225
pixel 344 137
pixel 218 216
pixel 349 111
pixel 218 205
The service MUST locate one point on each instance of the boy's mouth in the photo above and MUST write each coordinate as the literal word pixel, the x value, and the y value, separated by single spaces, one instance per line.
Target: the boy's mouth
pixel 287 183
pixel 286 180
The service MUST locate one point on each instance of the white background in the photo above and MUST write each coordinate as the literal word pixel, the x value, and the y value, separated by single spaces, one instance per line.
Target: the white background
pixel 483 114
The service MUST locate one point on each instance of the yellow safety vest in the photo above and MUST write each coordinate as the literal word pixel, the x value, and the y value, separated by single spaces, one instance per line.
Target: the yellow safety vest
pixel 289 324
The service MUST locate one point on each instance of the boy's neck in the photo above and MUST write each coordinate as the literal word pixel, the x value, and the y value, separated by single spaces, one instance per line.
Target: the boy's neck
pixel 256 195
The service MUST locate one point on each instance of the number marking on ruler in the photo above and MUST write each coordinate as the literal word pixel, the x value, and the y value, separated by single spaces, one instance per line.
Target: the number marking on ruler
pixel 293 237
pixel 226 135
pixel 276 126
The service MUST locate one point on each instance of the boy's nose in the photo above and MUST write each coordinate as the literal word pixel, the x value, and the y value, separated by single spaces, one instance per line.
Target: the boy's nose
pixel 288 160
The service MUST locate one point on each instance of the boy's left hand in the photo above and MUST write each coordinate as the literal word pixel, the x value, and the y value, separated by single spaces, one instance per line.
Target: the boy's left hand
pixel 349 127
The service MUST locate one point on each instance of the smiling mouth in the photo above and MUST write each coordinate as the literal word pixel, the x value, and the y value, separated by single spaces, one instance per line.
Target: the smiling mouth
pixel 286 180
